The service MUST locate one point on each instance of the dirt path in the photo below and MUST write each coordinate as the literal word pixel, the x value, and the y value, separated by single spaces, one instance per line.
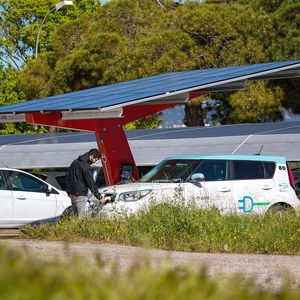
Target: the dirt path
pixel 269 271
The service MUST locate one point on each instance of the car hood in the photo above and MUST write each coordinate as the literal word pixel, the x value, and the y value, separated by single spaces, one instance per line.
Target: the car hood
pixel 137 186
pixel 62 193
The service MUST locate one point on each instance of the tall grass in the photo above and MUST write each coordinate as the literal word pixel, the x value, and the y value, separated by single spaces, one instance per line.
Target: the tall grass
pixel 31 279
pixel 176 227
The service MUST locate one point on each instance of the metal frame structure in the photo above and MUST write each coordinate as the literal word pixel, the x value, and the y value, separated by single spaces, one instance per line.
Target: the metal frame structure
pixel 109 132
pixel 104 110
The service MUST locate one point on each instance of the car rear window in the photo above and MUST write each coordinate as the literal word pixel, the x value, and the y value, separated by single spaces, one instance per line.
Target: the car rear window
pixel 253 170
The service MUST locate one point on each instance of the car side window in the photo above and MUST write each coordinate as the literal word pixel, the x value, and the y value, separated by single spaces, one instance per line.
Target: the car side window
pixel 2 184
pixel 248 170
pixel 213 170
pixel 23 182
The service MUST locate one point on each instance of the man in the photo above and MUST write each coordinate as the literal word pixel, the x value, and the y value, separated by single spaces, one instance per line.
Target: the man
pixel 79 179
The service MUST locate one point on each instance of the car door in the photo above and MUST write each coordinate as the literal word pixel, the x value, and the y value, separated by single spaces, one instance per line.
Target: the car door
pixel 6 203
pixel 32 202
pixel 213 189
pixel 254 187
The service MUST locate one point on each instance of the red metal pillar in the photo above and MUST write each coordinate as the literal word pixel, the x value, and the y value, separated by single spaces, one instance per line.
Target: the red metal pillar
pixel 113 145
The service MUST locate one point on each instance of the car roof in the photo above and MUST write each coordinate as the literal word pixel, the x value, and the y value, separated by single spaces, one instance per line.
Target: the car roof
pixel 12 169
pixel 277 159
pixel 22 171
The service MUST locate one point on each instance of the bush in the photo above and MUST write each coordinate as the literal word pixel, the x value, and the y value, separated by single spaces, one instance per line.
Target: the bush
pixel 176 227
pixel 30 278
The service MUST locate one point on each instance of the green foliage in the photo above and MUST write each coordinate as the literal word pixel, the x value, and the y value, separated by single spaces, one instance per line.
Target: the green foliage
pixel 164 51
pixel 39 74
pixel 222 34
pixel 10 93
pixel 150 122
pixel 176 227
pixel 20 21
pixel 87 66
pixel 257 103
pixel 26 277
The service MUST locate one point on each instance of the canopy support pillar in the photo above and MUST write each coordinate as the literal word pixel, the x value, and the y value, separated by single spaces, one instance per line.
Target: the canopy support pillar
pixel 114 147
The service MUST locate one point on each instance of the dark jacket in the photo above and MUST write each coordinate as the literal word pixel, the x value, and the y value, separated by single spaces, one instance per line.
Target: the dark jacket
pixel 79 178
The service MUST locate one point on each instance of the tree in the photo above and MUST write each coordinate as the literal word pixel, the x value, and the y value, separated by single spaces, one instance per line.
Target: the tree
pixel 194 113
pixel 82 58
pixel 11 93
pixel 223 34
pixel 258 103
pixel 150 122
pixel 275 28
pixel 125 40
pixel 285 45
pixel 20 21
pixel 280 36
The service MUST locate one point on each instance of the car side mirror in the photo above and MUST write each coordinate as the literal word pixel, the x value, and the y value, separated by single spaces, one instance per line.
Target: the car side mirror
pixel 49 189
pixel 197 177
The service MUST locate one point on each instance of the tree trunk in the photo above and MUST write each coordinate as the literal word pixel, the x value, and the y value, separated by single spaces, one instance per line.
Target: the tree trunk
pixel 193 114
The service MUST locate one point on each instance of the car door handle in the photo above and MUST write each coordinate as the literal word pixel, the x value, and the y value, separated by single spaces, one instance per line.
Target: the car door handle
pixel 225 190
pixel 21 198
pixel 266 187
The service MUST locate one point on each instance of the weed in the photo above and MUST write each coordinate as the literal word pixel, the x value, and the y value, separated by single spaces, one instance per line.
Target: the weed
pixel 29 278
pixel 183 228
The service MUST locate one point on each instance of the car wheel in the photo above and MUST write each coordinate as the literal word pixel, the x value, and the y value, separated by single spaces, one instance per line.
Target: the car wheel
pixel 67 213
pixel 281 208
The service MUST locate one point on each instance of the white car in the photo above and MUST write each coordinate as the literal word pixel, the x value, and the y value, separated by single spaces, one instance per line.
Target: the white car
pixel 26 199
pixel 232 183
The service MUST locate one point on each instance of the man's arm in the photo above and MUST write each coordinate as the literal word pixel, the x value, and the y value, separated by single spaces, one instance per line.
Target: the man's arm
pixel 88 178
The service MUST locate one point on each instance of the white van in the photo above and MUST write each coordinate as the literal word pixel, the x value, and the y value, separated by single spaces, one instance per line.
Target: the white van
pixel 232 183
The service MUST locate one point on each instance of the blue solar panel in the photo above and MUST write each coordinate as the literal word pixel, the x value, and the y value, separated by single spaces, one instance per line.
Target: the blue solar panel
pixel 157 87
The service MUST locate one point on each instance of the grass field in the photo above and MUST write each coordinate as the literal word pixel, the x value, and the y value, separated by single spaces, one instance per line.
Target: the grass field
pixel 29 278
pixel 175 227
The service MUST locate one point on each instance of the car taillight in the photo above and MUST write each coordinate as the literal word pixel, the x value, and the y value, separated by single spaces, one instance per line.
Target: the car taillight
pixel 291 177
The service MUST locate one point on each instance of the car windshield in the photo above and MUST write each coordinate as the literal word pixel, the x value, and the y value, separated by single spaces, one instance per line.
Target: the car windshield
pixel 172 170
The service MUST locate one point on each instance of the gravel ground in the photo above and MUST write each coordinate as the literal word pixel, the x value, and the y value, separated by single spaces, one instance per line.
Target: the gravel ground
pixel 268 271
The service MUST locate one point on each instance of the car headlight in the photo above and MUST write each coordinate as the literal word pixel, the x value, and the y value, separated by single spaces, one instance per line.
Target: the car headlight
pixel 133 195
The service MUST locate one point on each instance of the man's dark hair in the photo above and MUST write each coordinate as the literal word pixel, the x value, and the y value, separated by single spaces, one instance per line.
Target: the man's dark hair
pixel 95 153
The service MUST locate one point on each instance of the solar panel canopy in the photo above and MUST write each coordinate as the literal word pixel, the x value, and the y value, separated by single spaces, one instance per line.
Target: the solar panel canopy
pixel 164 88
pixel 127 101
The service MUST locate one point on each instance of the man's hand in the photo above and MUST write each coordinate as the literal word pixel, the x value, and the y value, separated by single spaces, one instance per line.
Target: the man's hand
pixel 104 199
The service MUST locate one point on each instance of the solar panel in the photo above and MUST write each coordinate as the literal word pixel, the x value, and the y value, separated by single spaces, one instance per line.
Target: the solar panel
pixel 156 88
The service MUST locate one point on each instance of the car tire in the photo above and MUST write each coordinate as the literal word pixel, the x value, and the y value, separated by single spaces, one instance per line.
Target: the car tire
pixel 67 214
pixel 281 208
